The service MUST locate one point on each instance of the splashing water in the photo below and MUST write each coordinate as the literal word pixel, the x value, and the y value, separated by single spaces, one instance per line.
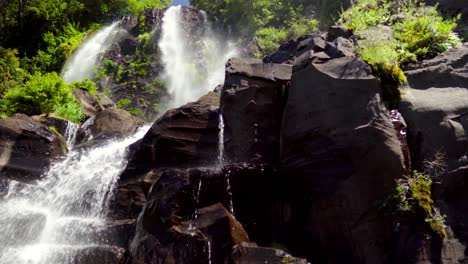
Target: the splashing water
pixel 192 66
pixel 83 61
pixel 59 218
pixel 70 134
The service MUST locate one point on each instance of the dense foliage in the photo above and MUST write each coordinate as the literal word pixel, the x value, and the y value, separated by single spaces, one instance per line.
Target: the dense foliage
pixel 416 32
pixel 271 21
pixel 36 37
pixel 43 93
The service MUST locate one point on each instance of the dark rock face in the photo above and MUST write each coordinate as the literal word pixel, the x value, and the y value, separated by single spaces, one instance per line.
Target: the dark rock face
pixel 250 254
pixel 435 107
pixel 108 124
pixel 337 139
pixel 183 137
pixel 251 107
pixel 27 148
pixel 172 228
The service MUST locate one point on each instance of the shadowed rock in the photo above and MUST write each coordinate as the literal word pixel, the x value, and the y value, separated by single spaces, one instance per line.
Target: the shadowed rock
pixel 27 148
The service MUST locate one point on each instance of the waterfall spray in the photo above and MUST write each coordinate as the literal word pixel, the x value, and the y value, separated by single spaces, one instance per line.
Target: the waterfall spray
pixel 192 66
pixel 83 61
pixel 60 216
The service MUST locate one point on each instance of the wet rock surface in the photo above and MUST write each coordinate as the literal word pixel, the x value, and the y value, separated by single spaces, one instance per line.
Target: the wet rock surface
pixel 27 148
pixel 107 124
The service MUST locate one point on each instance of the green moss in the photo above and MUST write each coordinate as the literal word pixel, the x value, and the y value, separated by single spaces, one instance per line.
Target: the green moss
pixel 86 85
pixel 62 139
pixel 122 103
pixel 135 111
pixel 413 194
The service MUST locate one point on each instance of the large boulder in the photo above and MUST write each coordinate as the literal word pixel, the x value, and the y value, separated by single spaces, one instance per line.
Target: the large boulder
pixel 341 155
pixel 109 123
pixel 251 101
pixel 27 148
pixel 435 106
pixel 175 226
pixel 183 137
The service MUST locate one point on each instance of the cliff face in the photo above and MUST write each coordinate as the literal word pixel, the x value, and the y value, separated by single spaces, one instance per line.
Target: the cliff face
pixel 309 158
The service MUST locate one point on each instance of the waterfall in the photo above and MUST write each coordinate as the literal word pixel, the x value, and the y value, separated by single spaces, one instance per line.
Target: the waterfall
pixel 70 134
pixel 59 218
pixel 193 65
pixel 82 63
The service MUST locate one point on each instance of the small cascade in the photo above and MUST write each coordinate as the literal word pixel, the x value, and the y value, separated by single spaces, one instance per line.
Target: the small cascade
pixel 82 63
pixel 197 198
pixel 60 217
pixel 221 141
pixel 209 251
pixel 70 134
pixel 193 65
pixel 221 161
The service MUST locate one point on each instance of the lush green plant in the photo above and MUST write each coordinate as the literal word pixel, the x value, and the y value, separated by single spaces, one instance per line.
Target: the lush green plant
pixel 135 111
pixel 364 14
pixel 424 32
pixel 383 57
pixel 71 111
pixel 86 85
pixel 122 103
pixel 46 93
pixel 413 194
pixel 10 72
pixel 271 38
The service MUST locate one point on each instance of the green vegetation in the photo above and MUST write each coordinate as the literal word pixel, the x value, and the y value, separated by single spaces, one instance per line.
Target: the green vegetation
pixel 419 32
pixel 45 93
pixel 413 194
pixel 364 14
pixel 86 85
pixel 271 21
pixel 122 103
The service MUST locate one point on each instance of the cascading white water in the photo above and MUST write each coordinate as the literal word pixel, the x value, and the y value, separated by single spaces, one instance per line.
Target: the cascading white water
pixel 192 67
pixel 70 134
pixel 60 217
pixel 82 63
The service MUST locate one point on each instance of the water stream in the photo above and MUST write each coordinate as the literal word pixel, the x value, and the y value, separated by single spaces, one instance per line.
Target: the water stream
pixel 58 218
pixel 70 134
pixel 82 63
pixel 193 65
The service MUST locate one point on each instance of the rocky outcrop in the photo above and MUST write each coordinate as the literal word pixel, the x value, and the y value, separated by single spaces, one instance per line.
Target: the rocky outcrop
pixel 337 139
pixel 183 137
pixel 92 104
pixel 171 218
pixel 251 107
pixel 435 108
pixel 314 47
pixel 27 148
pixel 250 254
pixel 110 123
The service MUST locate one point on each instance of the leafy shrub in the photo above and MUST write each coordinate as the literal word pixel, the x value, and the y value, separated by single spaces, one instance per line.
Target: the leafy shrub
pixel 122 103
pixel 365 14
pixel 424 33
pixel 271 38
pixel 86 85
pixel 413 194
pixel 10 72
pixel 71 111
pixel 46 93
